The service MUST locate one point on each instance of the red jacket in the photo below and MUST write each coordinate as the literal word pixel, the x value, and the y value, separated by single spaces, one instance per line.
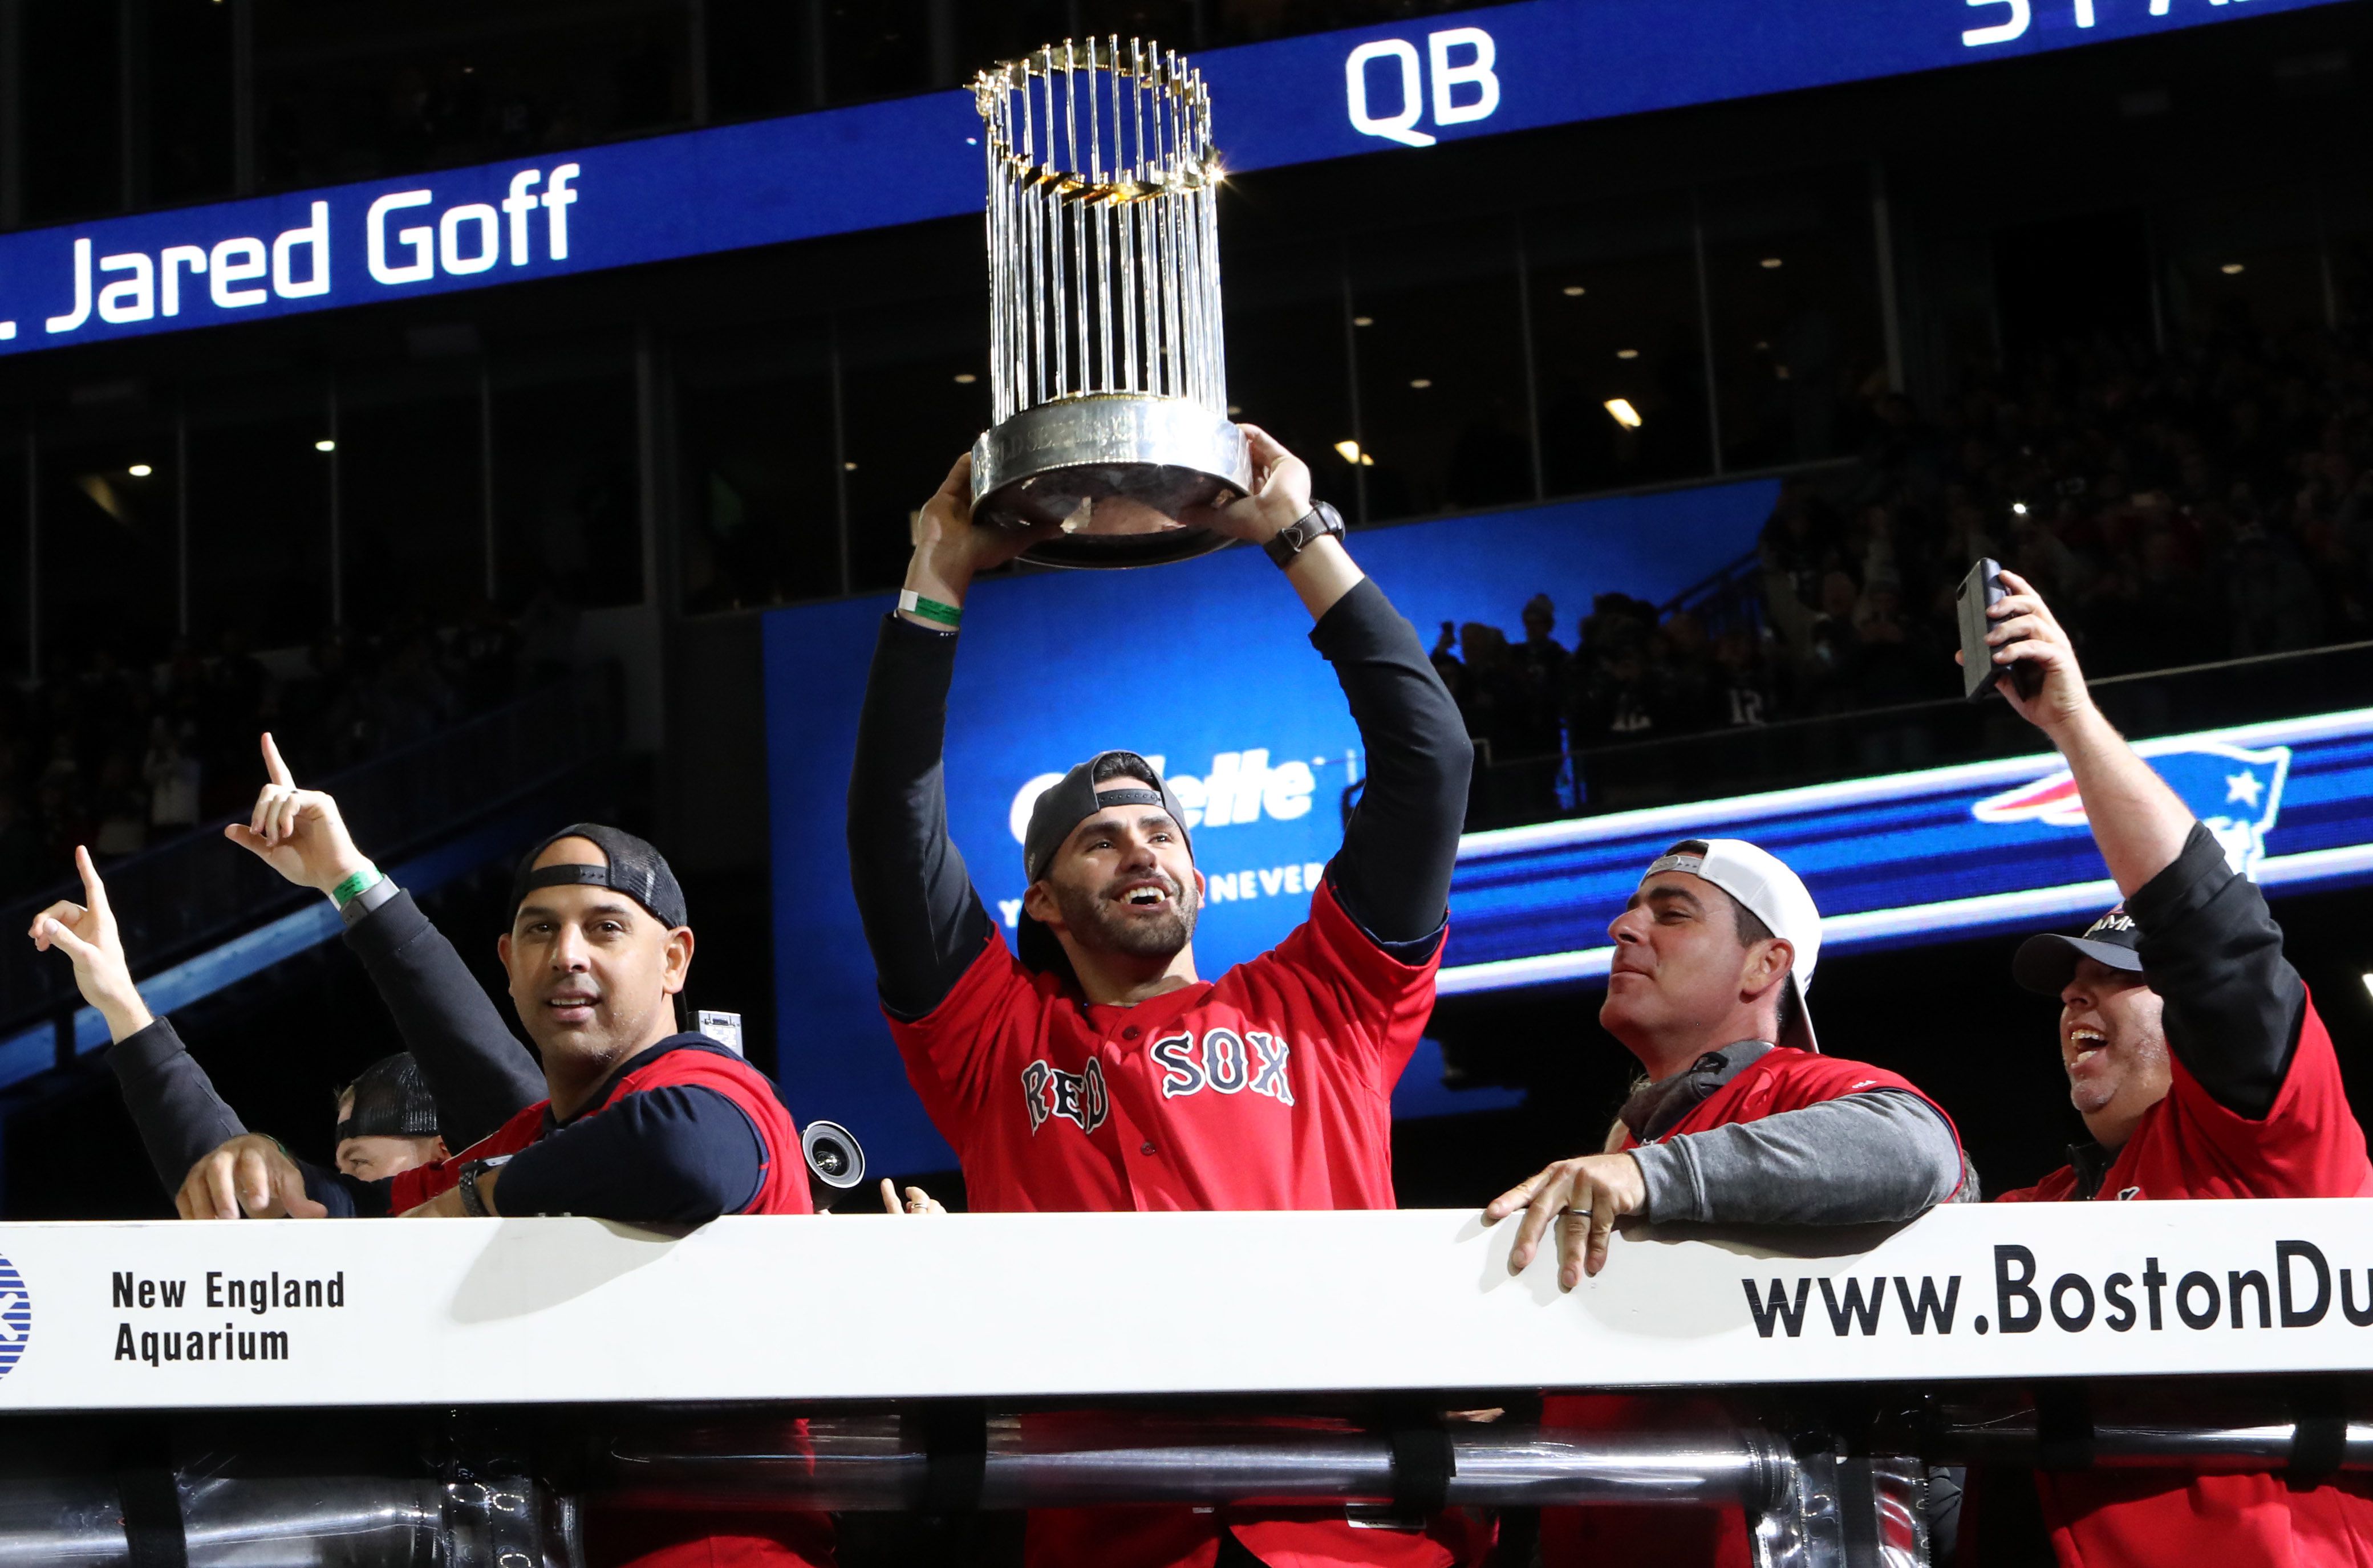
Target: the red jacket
pixel 2189 1146
pixel 782 1185
pixel 1781 1080
pixel 2255 1108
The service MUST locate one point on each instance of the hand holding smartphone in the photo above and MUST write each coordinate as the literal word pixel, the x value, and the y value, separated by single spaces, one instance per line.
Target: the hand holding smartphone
pixel 1981 592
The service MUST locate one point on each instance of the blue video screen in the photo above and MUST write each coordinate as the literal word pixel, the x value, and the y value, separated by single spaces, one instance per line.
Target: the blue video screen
pixel 1392 90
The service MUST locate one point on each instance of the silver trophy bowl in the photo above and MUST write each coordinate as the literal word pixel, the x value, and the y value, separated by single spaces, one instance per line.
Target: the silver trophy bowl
pixel 1109 379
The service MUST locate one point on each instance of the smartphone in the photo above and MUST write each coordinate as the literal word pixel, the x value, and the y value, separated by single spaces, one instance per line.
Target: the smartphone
pixel 1981 592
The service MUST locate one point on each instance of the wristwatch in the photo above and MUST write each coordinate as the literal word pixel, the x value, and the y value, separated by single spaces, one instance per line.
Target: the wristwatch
pixel 474 1202
pixel 1290 541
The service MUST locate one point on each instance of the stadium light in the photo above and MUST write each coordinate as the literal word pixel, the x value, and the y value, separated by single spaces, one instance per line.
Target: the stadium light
pixel 140 471
pixel 325 445
pixel 1625 414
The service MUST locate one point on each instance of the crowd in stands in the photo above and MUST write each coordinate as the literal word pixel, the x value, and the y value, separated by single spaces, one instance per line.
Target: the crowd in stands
pixel 122 756
pixel 2213 503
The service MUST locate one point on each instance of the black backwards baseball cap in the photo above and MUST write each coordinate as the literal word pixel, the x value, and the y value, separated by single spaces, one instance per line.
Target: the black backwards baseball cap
pixel 1068 803
pixel 2045 962
pixel 635 869
pixel 392 1100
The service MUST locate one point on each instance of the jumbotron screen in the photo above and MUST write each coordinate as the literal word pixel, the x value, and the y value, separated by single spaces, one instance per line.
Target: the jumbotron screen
pixel 1391 90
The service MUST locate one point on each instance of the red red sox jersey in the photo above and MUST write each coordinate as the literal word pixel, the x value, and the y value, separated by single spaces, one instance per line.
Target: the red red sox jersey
pixel 1269 1088
pixel 1781 1080
pixel 2188 1145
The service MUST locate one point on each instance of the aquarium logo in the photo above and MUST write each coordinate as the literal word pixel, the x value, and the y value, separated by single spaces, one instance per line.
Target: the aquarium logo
pixel 16 1316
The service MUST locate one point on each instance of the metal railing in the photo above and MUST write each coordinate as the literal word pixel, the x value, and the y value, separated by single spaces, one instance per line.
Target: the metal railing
pixel 196 890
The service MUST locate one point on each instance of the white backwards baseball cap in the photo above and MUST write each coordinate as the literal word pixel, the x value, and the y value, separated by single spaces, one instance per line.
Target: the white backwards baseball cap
pixel 1776 896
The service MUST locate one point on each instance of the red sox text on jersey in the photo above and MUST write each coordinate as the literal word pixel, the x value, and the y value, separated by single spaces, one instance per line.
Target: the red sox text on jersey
pixel 1268 1088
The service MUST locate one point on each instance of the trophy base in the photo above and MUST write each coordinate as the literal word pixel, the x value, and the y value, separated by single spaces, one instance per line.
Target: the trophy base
pixel 1118 471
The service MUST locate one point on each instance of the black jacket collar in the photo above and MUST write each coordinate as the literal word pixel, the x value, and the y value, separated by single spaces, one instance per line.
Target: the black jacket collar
pixel 1657 1109
pixel 2091 1162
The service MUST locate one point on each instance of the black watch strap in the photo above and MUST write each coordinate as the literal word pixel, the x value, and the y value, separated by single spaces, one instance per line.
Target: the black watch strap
pixel 466 1185
pixel 474 1202
pixel 1290 541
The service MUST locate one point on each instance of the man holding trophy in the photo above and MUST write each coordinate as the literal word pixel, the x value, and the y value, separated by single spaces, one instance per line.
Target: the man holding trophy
pixel 1092 1067
pixel 1096 1068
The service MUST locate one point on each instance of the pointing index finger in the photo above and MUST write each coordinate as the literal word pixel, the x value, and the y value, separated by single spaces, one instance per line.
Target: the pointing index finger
pixel 94 891
pixel 275 769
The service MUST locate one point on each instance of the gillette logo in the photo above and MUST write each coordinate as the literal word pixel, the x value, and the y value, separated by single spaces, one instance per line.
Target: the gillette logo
pixel 1241 788
pixel 2234 792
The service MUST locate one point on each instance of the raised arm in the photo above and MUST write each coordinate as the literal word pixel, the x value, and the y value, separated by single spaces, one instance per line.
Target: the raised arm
pixel 477 1068
pixel 922 917
pixel 2138 822
pixel 2232 1005
pixel 171 1100
pixel 1393 872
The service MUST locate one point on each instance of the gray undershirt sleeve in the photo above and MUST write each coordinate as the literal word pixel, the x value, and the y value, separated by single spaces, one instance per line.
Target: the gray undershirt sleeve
pixel 1877 1155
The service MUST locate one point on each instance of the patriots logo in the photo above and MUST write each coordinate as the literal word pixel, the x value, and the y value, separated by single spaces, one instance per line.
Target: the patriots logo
pixel 2235 792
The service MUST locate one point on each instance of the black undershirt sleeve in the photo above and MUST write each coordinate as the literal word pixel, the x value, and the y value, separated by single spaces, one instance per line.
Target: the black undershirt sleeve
pixel 476 1070
pixel 680 1154
pixel 922 917
pixel 345 1197
pixel 2232 1005
pixel 171 1100
pixel 1393 873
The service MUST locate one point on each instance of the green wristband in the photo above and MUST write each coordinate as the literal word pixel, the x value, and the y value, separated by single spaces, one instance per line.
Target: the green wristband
pixel 929 609
pixel 355 886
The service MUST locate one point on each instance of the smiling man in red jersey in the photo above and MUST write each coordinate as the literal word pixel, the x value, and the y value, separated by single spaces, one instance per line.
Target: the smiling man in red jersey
pixel 1096 1068
pixel 1740 1121
pixel 2196 1059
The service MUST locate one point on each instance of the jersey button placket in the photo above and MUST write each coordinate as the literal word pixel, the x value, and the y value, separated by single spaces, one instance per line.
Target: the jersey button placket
pixel 1116 1066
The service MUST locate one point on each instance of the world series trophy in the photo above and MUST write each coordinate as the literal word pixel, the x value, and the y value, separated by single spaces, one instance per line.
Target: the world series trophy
pixel 1111 397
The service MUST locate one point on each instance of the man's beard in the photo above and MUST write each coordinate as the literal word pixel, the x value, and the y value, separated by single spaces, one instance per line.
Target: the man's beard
pixel 1100 925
